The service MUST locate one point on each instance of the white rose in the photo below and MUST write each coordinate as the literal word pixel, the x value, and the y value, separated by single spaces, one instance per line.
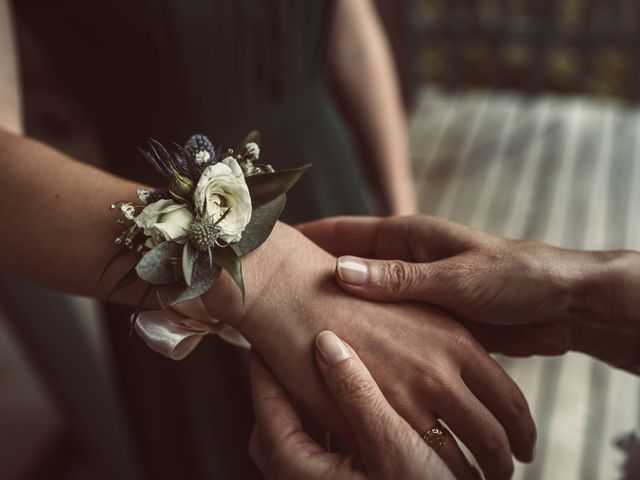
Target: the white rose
pixel 223 187
pixel 165 220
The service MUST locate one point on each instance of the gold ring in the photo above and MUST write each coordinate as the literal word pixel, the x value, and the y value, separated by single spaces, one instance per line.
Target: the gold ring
pixel 435 437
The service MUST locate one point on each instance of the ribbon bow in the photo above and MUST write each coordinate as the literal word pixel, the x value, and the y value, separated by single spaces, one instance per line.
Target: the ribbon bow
pixel 176 330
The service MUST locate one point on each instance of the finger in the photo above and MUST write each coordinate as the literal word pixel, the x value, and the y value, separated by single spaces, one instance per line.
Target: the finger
pixel 356 393
pixel 344 235
pixel 377 427
pixel 450 453
pixel 477 428
pixel 499 393
pixel 277 421
pixel 441 283
pixel 522 340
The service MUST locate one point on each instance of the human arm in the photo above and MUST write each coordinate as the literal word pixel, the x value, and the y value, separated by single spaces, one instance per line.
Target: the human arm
pixel 387 446
pixel 54 209
pixel 427 365
pixel 530 298
pixel 364 78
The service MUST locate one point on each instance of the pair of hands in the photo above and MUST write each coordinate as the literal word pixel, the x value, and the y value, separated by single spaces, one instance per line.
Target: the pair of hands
pixel 520 298
pixel 282 449
pixel 427 365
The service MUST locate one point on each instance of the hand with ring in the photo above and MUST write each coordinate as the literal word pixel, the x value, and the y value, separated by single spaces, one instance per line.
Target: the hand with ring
pixel 387 447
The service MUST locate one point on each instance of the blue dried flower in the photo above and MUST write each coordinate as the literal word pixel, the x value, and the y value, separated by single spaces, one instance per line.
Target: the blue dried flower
pixel 200 150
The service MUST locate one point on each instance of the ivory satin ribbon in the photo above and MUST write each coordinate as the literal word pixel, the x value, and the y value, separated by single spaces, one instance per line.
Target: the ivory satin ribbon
pixel 176 330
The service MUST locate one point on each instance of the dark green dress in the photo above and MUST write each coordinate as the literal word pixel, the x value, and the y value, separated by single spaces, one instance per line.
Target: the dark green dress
pixel 167 69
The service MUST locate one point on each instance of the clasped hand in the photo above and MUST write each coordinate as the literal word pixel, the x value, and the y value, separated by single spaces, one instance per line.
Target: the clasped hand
pixel 426 363
pixel 517 297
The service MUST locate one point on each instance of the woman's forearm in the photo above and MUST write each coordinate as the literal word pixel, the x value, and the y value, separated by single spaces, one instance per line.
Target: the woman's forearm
pixel 364 78
pixel 61 232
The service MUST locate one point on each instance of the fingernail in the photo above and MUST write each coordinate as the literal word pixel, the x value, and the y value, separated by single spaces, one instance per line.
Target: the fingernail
pixel 352 270
pixel 331 347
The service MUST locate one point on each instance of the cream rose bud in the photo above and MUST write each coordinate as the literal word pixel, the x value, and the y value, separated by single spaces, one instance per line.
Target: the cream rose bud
pixel 223 187
pixel 165 220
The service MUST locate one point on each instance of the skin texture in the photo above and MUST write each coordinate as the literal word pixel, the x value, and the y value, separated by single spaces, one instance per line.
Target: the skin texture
pixel 387 447
pixel 359 55
pixel 517 297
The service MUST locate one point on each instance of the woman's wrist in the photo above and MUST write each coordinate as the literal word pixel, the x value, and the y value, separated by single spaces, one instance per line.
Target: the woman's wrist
pixel 271 274
pixel 224 300
pixel 284 278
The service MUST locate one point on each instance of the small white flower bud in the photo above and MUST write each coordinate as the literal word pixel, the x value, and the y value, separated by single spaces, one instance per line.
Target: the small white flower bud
pixel 128 211
pixel 143 194
pixel 202 157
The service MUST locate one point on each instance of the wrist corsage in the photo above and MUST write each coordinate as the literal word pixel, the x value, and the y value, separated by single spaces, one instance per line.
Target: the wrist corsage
pixel 219 205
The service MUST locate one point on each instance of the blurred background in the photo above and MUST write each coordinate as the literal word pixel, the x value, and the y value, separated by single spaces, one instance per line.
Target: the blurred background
pixel 562 46
pixel 523 122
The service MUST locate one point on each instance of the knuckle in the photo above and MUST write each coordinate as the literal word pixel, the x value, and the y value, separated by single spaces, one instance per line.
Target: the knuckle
pixel 454 274
pixel 439 384
pixel 396 276
pixel 354 388
pixel 461 342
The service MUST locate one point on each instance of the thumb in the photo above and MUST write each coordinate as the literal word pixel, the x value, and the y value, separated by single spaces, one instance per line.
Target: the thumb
pixel 395 280
pixel 389 447
pixel 373 421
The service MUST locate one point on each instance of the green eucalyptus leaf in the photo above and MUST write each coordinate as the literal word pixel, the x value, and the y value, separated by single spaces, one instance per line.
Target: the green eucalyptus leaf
pixel 264 187
pixel 263 219
pixel 202 279
pixel 126 280
pixel 228 259
pixel 188 262
pixel 161 264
